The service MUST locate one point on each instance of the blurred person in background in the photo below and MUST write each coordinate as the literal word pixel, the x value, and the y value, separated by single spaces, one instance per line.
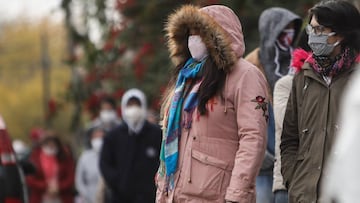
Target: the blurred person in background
pixel 278 28
pixel 311 118
pixel 108 118
pixel 215 112
pixel 282 90
pixel 130 153
pixel 53 181
pixel 281 94
pixel 87 178
pixel 20 148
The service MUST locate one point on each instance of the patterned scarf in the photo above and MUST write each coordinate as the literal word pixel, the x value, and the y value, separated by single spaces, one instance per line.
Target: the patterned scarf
pixel 331 67
pixel 169 147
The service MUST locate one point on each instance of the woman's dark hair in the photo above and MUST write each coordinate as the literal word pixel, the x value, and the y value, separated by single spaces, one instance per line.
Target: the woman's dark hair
pixel 212 83
pixel 109 100
pixel 302 41
pixel 61 154
pixel 342 17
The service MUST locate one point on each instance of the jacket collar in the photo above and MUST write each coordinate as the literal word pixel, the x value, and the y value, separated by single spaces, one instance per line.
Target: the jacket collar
pixel 309 72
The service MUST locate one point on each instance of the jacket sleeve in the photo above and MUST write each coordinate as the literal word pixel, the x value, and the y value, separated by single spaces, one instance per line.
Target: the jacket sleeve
pixel 107 168
pixel 66 182
pixel 290 137
pixel 281 95
pixel 36 181
pixel 252 125
pixel 79 177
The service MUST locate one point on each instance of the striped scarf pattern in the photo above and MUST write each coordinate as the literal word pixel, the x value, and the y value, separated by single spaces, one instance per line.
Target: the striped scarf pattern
pixel 172 132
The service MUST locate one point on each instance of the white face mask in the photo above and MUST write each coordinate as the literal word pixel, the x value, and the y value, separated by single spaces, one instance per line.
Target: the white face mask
pixel 197 47
pixel 107 116
pixel 49 150
pixel 133 115
pixel 96 143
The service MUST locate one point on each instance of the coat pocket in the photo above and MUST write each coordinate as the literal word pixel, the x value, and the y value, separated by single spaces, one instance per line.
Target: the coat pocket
pixel 205 176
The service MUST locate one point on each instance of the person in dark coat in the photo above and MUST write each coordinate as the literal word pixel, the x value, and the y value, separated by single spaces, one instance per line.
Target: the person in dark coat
pixel 129 157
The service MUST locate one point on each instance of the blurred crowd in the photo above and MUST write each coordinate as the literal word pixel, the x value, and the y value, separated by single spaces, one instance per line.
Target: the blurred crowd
pixel 128 157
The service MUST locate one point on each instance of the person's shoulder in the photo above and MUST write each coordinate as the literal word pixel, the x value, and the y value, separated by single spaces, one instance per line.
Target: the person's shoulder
pixel 116 133
pixel 118 129
pixel 254 54
pixel 155 129
pixel 253 58
pixel 87 154
pixel 152 126
pixel 247 69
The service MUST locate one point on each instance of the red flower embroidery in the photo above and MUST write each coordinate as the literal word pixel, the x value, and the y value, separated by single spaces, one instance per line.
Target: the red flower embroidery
pixel 261 104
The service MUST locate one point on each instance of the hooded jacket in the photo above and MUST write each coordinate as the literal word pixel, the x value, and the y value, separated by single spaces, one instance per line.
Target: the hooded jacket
pixel 134 93
pixel 129 157
pixel 221 154
pixel 273 63
pixel 271 23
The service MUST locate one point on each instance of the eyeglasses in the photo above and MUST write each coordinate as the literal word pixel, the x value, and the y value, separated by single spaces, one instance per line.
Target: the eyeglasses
pixel 317 30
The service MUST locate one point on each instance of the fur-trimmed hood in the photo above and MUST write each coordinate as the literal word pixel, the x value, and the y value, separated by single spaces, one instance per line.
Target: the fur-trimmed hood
pixel 219 28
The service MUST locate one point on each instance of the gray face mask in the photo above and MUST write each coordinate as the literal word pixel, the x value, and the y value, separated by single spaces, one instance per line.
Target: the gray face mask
pixel 319 45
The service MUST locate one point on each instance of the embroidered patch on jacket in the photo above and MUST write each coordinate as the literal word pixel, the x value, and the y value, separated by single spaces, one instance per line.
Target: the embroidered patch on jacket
pixel 261 104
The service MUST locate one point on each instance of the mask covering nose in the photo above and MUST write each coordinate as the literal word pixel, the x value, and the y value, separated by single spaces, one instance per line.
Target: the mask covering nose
pixel 49 151
pixel 285 39
pixel 96 143
pixel 197 47
pixel 133 115
pixel 107 116
pixel 319 45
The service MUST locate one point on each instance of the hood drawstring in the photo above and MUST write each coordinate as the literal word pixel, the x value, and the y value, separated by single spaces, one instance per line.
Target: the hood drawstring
pixel 225 92
pixel 276 61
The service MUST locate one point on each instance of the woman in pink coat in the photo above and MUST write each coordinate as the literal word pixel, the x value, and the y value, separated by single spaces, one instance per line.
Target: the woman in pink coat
pixel 214 113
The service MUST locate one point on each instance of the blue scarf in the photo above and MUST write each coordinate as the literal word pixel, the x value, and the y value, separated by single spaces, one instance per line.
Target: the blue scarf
pixel 170 143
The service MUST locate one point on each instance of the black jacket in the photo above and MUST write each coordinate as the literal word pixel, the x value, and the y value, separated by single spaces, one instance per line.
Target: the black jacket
pixel 128 162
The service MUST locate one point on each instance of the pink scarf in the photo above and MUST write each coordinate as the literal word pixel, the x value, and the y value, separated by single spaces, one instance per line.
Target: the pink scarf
pixel 331 67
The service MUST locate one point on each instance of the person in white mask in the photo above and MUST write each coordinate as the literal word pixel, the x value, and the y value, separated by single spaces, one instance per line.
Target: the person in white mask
pixel 130 153
pixel 214 112
pixel 108 118
pixel 87 177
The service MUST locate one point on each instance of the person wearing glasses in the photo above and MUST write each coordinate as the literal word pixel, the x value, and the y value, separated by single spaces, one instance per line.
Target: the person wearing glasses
pixel 311 118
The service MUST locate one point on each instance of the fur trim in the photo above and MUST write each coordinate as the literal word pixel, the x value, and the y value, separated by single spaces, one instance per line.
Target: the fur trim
pixel 216 39
pixel 299 58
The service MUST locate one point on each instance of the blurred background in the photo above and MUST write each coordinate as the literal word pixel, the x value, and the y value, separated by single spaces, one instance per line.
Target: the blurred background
pixel 58 58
